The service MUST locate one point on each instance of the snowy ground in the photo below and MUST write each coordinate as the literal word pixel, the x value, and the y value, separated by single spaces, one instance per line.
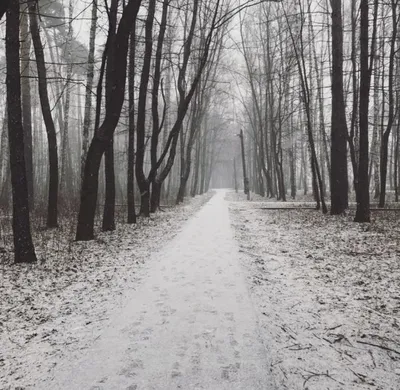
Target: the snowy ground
pixel 190 324
pixel 327 291
pixel 62 303
pixel 314 305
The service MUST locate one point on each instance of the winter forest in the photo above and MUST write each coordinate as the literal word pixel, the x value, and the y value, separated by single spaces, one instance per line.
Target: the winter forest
pixel 278 122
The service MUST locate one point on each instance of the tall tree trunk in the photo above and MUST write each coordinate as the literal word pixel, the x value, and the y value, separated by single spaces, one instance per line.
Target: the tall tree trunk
pixel 89 86
pixel 46 111
pixel 24 251
pixel 131 131
pixel 396 157
pixel 143 182
pixel 386 134
pixel 3 7
pixel 355 87
pixel 65 149
pixel 109 170
pixel 26 101
pixel 109 202
pixel 117 78
pixel 157 127
pixel 363 207
pixel 338 179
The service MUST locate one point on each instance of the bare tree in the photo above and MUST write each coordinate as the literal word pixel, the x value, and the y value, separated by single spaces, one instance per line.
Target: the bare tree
pixel 103 136
pixel 338 179
pixel 362 187
pixel 23 245
pixel 47 116
pixel 391 101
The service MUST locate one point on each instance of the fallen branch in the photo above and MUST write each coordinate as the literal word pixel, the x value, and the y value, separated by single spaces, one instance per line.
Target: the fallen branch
pixel 379 346
pixel 315 374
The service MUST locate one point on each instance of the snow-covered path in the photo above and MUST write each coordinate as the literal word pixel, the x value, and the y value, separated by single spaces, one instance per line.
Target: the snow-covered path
pixel 189 325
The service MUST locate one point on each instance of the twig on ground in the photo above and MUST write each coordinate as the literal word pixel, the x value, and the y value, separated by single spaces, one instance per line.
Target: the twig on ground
pixel 334 327
pixel 316 374
pixel 286 331
pixel 359 376
pixel 379 346
pixel 250 253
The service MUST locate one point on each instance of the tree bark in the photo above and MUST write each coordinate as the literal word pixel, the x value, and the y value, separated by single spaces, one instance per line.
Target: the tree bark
pixel 363 207
pixel 47 117
pixel 24 251
pixel 3 7
pixel 89 86
pixel 26 101
pixel 131 131
pixel 109 202
pixel 338 178
pixel 386 134
pixel 103 136
pixel 143 182
pixel 157 127
pixel 109 171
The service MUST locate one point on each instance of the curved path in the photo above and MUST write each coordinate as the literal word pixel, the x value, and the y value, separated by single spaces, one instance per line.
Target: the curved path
pixel 189 325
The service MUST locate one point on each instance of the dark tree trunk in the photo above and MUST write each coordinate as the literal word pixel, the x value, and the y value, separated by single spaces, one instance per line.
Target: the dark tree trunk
pixel 24 251
pixel 90 184
pixel 338 180
pixel 154 102
pixel 3 7
pixel 48 120
pixel 145 199
pixel 292 169
pixel 315 185
pixel 386 134
pixel 235 175
pixel 355 107
pixel 89 86
pixel 103 136
pixel 109 171
pixel 155 196
pixel 131 131
pixel 396 159
pixel 186 157
pixel 26 103
pixel 197 170
pixel 109 203
pixel 142 180
pixel 363 207
pixel 245 178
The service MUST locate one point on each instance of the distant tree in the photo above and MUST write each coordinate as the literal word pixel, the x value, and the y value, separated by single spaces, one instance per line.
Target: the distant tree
pixel 24 251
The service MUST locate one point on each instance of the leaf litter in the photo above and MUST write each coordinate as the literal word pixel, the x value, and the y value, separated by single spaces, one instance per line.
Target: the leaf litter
pixel 63 302
pixel 327 292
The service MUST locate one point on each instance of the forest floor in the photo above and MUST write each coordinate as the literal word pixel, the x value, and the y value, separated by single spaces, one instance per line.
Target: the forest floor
pixel 242 299
pixel 327 291
pixel 64 301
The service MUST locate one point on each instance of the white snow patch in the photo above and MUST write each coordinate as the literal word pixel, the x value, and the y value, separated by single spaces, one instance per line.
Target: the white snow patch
pixel 62 304
pixel 327 293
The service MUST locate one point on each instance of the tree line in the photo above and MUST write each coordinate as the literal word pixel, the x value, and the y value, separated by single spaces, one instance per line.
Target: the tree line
pixel 136 110
pixel 321 99
pixel 127 116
